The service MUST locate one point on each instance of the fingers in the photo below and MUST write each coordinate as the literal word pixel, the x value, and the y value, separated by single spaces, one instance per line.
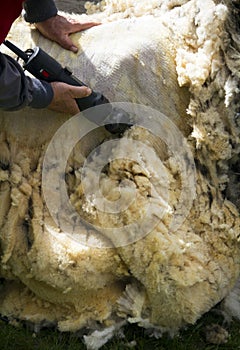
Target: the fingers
pixel 66 42
pixel 79 91
pixel 58 28
pixel 78 27
pixel 72 108
pixel 64 97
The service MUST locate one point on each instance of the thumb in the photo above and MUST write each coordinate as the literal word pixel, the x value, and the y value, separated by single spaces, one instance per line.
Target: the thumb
pixel 80 91
pixel 67 43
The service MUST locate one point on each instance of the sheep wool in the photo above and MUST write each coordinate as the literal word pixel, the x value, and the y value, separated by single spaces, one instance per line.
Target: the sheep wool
pixel 170 62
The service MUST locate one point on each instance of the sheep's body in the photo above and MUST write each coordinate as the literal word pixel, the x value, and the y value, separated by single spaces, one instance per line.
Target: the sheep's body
pixel 168 278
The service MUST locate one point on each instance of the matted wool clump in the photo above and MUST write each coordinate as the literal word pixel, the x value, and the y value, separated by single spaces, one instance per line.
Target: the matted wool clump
pixel 178 61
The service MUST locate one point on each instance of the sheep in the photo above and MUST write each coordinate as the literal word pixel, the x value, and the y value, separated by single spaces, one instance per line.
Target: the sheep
pixel 176 60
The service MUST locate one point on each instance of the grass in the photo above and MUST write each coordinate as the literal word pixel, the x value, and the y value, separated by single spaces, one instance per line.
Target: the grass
pixel 193 338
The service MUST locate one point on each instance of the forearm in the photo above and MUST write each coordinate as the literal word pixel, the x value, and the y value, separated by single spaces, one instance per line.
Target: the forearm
pixel 39 10
pixel 18 90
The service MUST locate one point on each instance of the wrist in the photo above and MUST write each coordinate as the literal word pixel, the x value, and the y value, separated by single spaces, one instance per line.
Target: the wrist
pixel 42 94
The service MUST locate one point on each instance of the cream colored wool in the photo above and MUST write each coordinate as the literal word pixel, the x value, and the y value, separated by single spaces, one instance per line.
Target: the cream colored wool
pixel 179 58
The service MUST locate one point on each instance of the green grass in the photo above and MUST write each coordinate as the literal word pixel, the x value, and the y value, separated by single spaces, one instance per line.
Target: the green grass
pixel 193 338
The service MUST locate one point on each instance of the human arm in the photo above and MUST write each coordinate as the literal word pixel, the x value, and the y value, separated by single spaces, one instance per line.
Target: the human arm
pixel 18 90
pixel 58 28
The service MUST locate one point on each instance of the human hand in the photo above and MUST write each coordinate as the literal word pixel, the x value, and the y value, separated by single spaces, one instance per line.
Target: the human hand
pixel 64 96
pixel 59 28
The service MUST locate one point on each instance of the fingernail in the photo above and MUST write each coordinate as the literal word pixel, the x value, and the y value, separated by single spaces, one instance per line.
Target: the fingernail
pixel 89 91
pixel 74 49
